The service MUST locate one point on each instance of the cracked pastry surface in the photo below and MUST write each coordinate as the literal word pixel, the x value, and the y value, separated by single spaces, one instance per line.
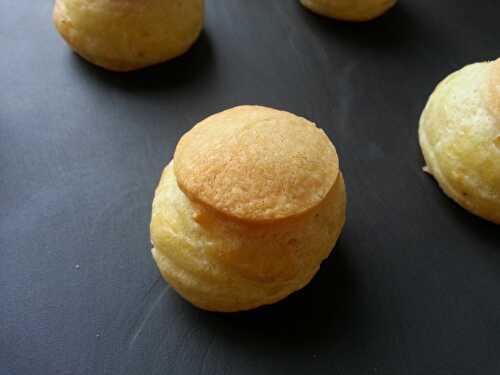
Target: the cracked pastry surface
pixel 250 206
pixel 459 135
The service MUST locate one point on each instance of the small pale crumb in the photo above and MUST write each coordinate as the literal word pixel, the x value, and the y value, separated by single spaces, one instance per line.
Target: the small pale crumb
pixel 77 266
pixel 98 335
pixel 426 169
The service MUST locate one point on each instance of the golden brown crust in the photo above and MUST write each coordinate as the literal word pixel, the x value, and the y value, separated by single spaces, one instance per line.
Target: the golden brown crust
pixel 350 10
pixel 256 164
pixel 124 35
pixel 220 237
pixel 219 264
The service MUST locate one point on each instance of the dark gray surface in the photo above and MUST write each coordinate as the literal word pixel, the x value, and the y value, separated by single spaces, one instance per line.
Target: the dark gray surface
pixel 414 285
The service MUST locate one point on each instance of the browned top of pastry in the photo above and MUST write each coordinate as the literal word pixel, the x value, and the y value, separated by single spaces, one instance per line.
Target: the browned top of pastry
pixel 256 164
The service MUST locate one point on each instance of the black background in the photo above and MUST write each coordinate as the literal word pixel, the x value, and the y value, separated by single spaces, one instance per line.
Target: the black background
pixel 414 285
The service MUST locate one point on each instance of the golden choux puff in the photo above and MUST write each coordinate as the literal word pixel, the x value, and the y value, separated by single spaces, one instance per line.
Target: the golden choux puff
pixel 123 35
pixel 460 138
pixel 349 10
pixel 251 204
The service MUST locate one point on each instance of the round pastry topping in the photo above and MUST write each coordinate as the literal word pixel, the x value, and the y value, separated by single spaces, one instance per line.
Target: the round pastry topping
pixel 256 164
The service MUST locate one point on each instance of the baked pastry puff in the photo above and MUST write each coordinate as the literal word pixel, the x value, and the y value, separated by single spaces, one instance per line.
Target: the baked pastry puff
pixel 460 138
pixel 349 10
pixel 251 204
pixel 123 35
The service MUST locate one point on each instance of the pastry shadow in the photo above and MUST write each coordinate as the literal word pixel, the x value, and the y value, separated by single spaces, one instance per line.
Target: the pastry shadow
pixel 193 65
pixel 485 231
pixel 395 28
pixel 317 315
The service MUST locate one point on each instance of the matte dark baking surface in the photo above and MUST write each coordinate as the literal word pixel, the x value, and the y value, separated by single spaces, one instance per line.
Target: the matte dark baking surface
pixel 414 284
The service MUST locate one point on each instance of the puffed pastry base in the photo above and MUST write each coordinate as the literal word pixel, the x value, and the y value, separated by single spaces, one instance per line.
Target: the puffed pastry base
pixel 460 138
pixel 250 206
pixel 221 265
pixel 124 35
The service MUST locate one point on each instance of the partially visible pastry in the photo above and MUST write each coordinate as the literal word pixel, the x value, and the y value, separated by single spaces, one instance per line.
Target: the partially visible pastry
pixel 250 206
pixel 460 138
pixel 123 35
pixel 349 10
